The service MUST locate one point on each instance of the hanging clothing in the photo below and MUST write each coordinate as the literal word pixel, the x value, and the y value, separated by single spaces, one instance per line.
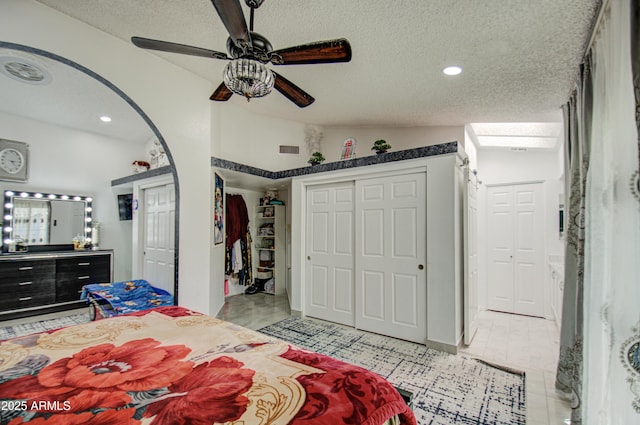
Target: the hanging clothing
pixel 238 246
pixel 237 218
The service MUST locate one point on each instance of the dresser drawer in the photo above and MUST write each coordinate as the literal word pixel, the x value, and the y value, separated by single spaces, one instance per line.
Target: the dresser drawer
pixel 73 273
pixel 25 296
pixel 26 270
pixel 84 265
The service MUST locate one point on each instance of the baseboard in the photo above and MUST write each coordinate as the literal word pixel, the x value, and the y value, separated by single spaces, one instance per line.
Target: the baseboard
pixel 296 313
pixel 441 346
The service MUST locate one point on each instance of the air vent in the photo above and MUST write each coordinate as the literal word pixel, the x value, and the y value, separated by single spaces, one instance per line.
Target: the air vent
pixel 519 149
pixel 295 150
pixel 23 71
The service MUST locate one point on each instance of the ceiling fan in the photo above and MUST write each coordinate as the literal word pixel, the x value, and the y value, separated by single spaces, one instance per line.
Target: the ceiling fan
pixel 249 52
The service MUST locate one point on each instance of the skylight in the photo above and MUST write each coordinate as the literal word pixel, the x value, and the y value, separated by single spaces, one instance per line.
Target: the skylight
pixel 531 135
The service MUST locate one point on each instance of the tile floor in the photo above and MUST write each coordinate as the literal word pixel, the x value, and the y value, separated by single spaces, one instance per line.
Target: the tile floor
pixel 521 342
pixel 529 344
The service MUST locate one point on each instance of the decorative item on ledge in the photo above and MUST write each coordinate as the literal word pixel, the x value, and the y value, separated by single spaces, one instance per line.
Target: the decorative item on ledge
pixel 316 158
pixel 348 149
pixel 140 166
pixel 380 146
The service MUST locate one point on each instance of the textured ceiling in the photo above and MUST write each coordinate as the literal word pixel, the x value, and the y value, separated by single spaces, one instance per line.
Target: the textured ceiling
pixel 520 57
pixel 70 99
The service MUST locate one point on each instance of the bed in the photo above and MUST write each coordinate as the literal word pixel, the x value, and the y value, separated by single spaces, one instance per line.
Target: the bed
pixel 170 365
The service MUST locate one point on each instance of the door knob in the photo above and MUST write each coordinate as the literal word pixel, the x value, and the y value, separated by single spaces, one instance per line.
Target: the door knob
pixel 308 257
pixel 420 267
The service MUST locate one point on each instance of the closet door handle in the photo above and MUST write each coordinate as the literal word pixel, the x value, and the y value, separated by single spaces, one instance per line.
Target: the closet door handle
pixel 420 267
pixel 308 257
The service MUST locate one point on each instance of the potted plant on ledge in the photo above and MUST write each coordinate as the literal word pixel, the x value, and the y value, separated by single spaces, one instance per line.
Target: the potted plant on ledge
pixel 380 146
pixel 316 158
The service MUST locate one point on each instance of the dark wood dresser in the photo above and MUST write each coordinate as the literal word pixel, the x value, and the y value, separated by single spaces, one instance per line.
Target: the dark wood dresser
pixel 32 284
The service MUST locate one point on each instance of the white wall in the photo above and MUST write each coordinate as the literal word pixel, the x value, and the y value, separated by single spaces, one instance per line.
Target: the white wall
pixel 68 161
pixel 399 138
pixel 252 139
pixel 175 100
pixel 504 167
pixel 470 147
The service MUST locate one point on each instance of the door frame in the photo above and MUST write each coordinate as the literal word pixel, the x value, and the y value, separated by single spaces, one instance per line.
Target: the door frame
pixel 485 243
pixel 137 262
pixel 470 306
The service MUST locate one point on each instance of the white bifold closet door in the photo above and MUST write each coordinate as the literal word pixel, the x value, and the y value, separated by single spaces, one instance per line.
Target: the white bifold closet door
pixel 390 266
pixel 516 248
pixel 329 292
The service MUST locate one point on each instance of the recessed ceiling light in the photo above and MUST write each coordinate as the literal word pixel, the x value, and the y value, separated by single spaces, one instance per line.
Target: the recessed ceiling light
pixel 452 70
pixel 105 118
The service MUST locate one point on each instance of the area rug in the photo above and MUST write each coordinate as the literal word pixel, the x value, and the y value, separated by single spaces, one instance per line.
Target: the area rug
pixel 8 332
pixel 447 389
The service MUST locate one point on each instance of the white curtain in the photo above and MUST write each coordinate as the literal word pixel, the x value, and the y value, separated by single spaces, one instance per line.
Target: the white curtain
pixel 611 351
pixel 31 221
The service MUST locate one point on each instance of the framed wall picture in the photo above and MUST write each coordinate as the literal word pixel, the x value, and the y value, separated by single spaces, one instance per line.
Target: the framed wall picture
pixel 218 212
pixel 14 160
pixel 348 149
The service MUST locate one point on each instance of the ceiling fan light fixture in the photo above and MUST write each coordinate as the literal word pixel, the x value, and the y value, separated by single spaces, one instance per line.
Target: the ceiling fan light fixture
pixel 248 78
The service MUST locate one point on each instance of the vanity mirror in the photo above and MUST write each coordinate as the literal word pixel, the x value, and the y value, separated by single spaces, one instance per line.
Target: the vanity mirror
pixel 60 119
pixel 45 220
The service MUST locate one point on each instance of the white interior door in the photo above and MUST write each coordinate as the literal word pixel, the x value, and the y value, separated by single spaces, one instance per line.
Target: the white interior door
pixel 329 292
pixel 470 217
pixel 529 250
pixel 159 245
pixel 391 291
pixel 500 238
pixel 516 249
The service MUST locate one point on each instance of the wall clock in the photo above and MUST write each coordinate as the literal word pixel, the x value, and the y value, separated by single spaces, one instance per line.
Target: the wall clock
pixel 14 160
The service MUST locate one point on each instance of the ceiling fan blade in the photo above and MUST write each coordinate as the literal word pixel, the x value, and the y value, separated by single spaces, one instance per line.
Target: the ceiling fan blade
pixel 338 50
pixel 293 92
pixel 166 46
pixel 222 93
pixel 231 15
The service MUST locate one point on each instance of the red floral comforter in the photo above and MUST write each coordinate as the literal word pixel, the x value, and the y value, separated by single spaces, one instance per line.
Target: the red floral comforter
pixel 172 366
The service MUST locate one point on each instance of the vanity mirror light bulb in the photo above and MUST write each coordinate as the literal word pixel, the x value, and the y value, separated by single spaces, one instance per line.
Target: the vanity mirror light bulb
pixel 88 199
pixel 8 229
pixel 87 230
pixel 65 197
pixel 9 193
pixel 88 239
pixel 88 209
pixel 8 217
pixel 8 241
pixel 8 205
pixel 76 198
pixel 52 196
pixel 24 195
pixel 38 195
pixel 88 219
